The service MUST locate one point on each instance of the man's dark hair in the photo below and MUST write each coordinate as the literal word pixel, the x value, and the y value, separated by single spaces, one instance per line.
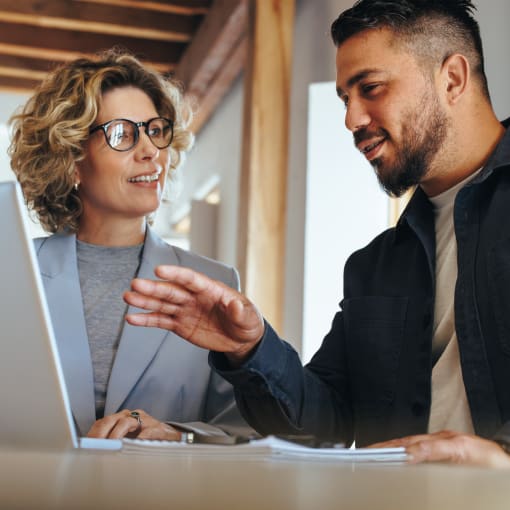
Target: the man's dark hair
pixel 432 29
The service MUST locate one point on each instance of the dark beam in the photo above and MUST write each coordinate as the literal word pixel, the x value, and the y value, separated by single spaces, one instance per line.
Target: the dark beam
pixel 21 64
pixel 220 85
pixel 182 7
pixel 18 85
pixel 203 63
pixel 65 44
pixel 100 18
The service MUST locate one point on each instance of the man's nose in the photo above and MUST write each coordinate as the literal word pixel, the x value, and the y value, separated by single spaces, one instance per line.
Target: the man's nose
pixel 356 116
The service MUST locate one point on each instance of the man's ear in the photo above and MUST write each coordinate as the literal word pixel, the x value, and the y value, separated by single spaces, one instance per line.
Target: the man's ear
pixel 455 74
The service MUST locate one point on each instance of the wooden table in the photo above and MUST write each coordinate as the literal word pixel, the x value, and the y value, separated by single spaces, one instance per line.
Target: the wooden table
pixel 110 480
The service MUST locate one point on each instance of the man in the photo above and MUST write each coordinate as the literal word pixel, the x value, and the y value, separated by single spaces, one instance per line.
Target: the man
pixel 421 345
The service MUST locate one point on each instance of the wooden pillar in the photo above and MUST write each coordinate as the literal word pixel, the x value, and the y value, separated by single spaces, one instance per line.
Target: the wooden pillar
pixel 263 193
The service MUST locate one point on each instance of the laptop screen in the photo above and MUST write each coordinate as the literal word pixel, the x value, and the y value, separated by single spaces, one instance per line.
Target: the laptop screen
pixel 35 411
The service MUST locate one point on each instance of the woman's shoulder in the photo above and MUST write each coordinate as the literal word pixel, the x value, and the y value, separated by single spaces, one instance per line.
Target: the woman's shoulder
pixel 159 251
pixel 52 240
pixel 210 267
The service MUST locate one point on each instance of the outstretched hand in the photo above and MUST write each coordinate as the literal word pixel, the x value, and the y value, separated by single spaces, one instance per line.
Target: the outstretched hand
pixel 205 312
pixel 451 447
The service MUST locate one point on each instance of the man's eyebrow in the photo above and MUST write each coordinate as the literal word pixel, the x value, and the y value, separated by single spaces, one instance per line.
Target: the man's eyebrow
pixel 355 79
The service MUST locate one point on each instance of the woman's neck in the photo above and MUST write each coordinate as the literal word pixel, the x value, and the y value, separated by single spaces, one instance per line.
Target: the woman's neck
pixel 113 233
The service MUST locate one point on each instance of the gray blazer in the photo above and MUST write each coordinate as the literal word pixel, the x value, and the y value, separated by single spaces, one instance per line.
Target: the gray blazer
pixel 154 369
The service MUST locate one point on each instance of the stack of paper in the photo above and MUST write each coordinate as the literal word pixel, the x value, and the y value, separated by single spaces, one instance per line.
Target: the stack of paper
pixel 270 447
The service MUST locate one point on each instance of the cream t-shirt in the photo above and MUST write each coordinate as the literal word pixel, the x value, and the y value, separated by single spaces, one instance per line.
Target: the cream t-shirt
pixel 449 407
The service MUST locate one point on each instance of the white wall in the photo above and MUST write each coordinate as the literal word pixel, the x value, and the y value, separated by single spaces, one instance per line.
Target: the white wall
pixel 8 104
pixel 314 61
pixel 216 159
pixel 493 17
pixel 345 210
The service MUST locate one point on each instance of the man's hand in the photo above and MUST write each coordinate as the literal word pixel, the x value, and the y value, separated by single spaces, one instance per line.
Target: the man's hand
pixel 453 447
pixel 137 424
pixel 205 312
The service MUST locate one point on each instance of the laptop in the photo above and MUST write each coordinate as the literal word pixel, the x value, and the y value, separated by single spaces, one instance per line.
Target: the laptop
pixel 35 412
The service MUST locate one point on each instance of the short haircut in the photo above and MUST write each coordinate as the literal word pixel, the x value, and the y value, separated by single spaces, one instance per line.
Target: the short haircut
pixel 48 135
pixel 432 29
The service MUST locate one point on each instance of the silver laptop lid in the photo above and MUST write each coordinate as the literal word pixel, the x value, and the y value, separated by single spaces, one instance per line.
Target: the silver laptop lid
pixel 34 406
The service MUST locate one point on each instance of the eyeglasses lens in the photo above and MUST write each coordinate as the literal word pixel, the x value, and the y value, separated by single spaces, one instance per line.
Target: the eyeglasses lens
pixel 160 132
pixel 122 135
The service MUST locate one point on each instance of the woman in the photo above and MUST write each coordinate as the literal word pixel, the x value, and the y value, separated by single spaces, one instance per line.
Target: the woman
pixel 92 150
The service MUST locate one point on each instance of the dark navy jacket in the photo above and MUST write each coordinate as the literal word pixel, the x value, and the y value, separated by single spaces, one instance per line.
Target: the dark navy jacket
pixel 371 378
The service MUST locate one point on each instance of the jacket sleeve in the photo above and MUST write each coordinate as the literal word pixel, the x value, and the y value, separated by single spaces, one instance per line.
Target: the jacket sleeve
pixel 503 436
pixel 221 414
pixel 277 395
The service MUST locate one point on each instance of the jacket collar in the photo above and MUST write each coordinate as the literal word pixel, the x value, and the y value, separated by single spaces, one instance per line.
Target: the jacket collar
pixel 137 346
pixel 418 217
pixel 59 270
pixel 499 158
pixel 420 207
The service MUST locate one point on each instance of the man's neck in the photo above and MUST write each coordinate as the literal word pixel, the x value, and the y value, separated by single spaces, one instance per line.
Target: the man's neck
pixel 469 152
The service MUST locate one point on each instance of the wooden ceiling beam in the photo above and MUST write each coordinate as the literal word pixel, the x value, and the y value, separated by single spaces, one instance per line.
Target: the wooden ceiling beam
pixel 219 32
pixel 53 41
pixel 37 35
pixel 86 17
pixel 18 85
pixel 26 63
pixel 43 60
pixel 204 68
pixel 220 85
pixel 35 66
pixel 182 7
pixel 19 72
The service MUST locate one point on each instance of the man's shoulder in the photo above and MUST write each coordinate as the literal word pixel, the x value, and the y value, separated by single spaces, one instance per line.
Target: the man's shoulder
pixel 381 243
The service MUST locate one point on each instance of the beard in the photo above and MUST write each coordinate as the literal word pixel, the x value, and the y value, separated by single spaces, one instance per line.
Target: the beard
pixel 424 130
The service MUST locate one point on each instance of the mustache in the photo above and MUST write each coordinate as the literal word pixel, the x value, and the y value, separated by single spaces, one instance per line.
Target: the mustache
pixel 364 134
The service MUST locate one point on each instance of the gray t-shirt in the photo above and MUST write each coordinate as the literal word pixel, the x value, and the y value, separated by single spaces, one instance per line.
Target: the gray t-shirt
pixel 105 274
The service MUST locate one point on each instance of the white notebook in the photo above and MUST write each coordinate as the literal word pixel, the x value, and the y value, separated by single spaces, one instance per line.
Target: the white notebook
pixel 268 447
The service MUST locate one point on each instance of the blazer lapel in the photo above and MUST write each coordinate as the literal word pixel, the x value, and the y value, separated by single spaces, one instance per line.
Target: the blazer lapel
pixel 138 346
pixel 59 270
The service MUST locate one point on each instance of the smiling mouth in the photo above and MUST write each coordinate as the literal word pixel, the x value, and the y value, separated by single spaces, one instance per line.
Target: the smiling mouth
pixel 372 146
pixel 145 178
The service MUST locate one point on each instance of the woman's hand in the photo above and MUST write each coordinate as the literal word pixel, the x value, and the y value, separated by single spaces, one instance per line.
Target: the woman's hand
pixel 133 424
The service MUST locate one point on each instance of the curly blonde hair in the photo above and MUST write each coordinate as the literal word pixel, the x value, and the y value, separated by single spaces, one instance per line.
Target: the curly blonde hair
pixel 48 135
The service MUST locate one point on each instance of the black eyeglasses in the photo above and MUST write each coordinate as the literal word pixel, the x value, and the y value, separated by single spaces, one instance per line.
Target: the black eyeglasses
pixel 123 134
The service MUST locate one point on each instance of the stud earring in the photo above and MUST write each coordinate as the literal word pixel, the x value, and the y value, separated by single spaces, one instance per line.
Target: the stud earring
pixel 76 185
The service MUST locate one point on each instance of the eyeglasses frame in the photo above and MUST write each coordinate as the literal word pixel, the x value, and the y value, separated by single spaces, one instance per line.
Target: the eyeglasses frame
pixel 138 125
